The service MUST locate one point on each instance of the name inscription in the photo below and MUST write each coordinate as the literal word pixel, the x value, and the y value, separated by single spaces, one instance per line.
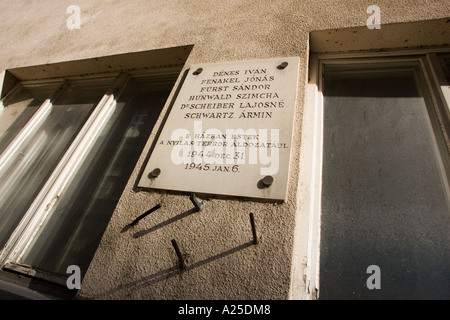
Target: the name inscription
pixel 231 123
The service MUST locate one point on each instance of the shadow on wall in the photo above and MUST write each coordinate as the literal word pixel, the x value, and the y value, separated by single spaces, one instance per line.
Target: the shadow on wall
pixel 163 224
pixel 169 272
pixel 181 266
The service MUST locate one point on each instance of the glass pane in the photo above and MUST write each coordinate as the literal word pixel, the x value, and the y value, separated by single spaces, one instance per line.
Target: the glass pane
pixel 77 222
pixel 19 109
pixel 40 153
pixel 385 195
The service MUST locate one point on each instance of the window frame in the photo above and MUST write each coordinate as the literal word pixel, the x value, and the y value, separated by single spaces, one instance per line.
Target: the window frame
pixel 67 166
pixel 309 193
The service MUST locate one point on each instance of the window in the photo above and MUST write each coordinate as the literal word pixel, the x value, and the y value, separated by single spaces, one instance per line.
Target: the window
pixel 380 178
pixel 67 150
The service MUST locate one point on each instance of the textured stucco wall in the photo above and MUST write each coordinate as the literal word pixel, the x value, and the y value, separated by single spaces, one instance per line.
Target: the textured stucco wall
pixel 221 262
pixel 35 32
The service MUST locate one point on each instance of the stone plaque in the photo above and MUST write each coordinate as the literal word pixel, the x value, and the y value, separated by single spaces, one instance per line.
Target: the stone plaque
pixel 229 131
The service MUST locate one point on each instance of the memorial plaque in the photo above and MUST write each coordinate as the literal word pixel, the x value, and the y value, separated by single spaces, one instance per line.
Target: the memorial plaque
pixel 229 131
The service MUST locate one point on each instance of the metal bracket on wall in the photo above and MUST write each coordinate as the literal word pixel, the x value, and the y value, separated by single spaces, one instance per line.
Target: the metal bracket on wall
pixel 199 205
pixel 179 255
pixel 252 222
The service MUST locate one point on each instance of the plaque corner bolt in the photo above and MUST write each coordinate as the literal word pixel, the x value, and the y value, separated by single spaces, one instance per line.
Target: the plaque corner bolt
pixel 197 72
pixel 154 174
pixel 282 65
pixel 267 181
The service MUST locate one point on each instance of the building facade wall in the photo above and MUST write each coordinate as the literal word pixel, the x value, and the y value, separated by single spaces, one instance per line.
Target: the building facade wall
pixel 214 241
